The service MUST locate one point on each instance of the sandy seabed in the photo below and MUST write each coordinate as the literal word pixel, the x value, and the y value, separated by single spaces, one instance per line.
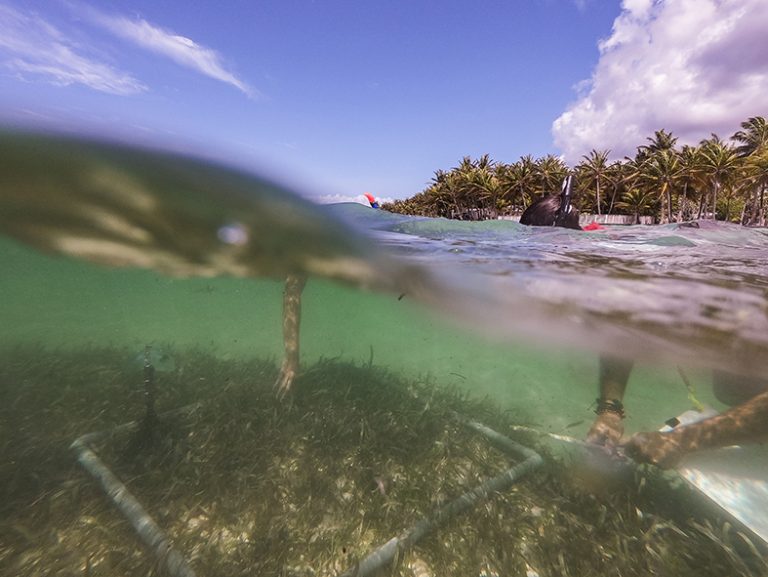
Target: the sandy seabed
pixel 250 485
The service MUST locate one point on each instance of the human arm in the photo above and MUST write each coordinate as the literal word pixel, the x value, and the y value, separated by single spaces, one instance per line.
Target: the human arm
pixel 608 427
pixel 746 423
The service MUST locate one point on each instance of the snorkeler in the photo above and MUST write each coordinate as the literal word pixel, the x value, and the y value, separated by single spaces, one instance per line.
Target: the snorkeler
pixel 371 200
pixel 554 209
pixel 746 422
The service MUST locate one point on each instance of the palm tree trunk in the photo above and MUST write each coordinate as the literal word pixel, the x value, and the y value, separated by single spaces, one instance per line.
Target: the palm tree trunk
pixel 681 203
pixel 669 202
pixel 753 204
pixel 669 208
pixel 613 197
pixel 597 195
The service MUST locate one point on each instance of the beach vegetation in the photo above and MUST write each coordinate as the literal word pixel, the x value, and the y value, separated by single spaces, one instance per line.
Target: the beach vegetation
pixel 717 179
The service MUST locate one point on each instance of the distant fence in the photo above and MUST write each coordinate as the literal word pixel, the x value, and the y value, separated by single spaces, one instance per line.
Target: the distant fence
pixel 624 219
pixel 475 214
pixel 614 219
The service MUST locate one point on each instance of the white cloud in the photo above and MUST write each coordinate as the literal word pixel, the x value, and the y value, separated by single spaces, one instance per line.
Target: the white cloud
pixel 691 67
pixel 32 48
pixel 180 49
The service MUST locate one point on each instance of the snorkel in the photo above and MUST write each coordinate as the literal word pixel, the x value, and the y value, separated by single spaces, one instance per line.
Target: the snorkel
pixel 565 201
pixel 563 216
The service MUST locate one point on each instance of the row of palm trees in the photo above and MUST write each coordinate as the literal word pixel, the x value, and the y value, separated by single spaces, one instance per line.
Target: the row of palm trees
pixel 725 180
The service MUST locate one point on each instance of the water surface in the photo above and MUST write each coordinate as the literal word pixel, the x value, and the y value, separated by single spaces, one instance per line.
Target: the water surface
pixel 108 249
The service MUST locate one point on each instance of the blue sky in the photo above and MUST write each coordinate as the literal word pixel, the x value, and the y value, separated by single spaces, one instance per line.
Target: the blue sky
pixel 341 97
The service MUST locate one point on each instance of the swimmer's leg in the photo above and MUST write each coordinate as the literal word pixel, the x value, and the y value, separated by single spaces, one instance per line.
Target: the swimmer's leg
pixel 294 285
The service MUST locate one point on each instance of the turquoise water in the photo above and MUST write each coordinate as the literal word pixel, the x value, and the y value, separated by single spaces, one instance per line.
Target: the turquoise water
pixel 106 247
pixel 692 293
pixel 64 303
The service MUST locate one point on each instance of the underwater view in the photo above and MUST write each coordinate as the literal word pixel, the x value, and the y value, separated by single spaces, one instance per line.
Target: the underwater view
pixel 205 374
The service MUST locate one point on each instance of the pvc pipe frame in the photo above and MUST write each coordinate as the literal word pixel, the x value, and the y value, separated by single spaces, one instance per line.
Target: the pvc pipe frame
pixel 385 554
pixel 144 525
pixel 175 564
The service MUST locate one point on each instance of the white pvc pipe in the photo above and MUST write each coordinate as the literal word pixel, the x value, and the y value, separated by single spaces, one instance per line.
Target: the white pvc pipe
pixel 151 534
pixel 144 525
pixel 385 554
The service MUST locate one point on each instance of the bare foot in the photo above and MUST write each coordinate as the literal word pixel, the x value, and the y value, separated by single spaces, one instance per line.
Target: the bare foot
pixel 285 379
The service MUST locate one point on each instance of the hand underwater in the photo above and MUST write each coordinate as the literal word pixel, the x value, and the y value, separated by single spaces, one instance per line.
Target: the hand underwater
pixel 661 449
pixel 606 430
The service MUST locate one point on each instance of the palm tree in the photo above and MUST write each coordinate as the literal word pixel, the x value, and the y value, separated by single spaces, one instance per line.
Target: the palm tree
pixel 593 170
pixel 551 172
pixel 636 202
pixel 619 175
pixel 505 179
pixel 720 177
pixel 661 140
pixel 753 136
pixel 482 187
pixel 756 173
pixel 469 190
pixel 690 177
pixel 458 178
pixel 719 163
pixel 518 180
pixel 659 173
pixel 439 198
pixel 753 139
